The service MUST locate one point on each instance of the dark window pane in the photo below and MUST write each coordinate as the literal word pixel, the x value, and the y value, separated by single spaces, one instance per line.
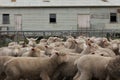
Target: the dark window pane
pixel 52 18
pixel 6 19
pixel 113 17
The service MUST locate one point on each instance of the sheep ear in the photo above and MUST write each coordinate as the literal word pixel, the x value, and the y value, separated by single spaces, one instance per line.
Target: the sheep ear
pixel 88 43
pixel 89 40
pixel 110 39
pixel 75 42
pixel 28 39
pixel 57 53
pixel 104 41
pixel 36 39
pixel 61 39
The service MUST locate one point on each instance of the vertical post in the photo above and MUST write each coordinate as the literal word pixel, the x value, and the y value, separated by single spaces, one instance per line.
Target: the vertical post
pixel 7 30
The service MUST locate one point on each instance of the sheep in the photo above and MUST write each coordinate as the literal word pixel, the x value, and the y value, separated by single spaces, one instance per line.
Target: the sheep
pixel 54 39
pixel 98 40
pixel 43 42
pixel 14 50
pixel 57 44
pixel 87 67
pixel 113 45
pixel 48 50
pixel 12 44
pixel 66 70
pixel 41 45
pixel 70 43
pixel 31 42
pixel 80 45
pixel 27 67
pixel 96 49
pixel 3 59
pixel 33 52
pixel 22 44
pixel 106 52
pixel 113 69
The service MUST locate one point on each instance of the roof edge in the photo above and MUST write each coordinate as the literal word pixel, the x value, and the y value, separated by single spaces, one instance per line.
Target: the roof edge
pixel 58 6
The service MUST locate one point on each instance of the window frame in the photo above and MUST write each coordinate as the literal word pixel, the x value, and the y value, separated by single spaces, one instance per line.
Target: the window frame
pixel 5 18
pixel 53 18
pixel 113 15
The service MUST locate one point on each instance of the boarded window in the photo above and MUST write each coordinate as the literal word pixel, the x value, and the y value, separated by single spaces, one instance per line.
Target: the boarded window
pixel 52 18
pixel 13 0
pixel 6 19
pixel 113 17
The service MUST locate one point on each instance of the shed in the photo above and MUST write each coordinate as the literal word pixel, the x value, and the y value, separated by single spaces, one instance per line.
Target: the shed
pixel 59 14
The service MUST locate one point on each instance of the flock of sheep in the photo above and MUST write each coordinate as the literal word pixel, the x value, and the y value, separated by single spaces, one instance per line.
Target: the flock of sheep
pixel 81 58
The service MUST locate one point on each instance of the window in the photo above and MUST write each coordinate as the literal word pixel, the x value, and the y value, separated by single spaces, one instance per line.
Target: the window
pixel 113 17
pixel 6 19
pixel 52 18
pixel 13 0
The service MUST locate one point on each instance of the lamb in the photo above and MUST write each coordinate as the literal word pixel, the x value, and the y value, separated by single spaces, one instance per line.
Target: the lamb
pixel 29 66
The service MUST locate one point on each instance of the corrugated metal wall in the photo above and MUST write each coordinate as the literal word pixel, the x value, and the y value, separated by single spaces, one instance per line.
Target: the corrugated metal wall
pixel 38 18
